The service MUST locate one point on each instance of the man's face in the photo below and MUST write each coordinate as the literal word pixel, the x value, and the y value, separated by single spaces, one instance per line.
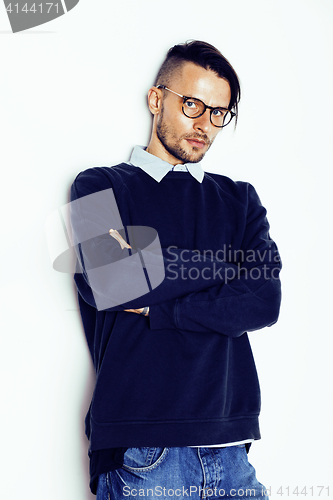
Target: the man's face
pixel 182 139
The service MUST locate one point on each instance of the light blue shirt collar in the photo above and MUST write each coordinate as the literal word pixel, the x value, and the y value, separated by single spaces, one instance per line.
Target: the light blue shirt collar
pixel 157 168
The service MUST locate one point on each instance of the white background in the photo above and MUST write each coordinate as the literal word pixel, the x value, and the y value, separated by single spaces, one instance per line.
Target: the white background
pixel 73 95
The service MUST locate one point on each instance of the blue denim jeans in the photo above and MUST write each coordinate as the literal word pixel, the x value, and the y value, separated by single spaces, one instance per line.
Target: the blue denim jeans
pixel 182 473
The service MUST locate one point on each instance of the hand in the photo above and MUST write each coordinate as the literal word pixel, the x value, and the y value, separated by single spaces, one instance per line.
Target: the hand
pixel 138 311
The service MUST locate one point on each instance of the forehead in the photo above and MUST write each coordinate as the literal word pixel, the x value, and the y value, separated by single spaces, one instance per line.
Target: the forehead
pixel 194 81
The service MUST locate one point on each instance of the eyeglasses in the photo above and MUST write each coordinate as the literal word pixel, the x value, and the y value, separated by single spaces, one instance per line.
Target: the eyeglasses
pixel 193 108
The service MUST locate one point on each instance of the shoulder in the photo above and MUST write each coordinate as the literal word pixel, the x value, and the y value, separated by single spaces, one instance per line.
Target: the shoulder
pixel 97 179
pixel 240 191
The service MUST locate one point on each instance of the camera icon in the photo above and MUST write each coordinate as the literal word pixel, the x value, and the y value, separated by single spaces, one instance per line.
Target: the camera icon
pixel 119 263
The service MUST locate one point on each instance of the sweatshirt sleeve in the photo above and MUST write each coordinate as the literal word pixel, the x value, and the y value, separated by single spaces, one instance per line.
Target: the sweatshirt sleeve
pixel 248 300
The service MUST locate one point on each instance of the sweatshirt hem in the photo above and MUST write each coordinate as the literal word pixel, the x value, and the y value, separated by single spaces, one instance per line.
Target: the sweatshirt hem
pixel 173 433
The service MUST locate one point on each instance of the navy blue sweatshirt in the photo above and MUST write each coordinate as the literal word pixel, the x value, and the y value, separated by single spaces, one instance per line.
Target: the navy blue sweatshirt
pixel 184 375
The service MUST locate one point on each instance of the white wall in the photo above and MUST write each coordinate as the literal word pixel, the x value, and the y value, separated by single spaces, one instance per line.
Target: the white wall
pixel 67 90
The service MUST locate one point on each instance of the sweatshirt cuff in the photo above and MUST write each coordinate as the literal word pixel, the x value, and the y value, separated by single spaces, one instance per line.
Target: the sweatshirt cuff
pixel 163 316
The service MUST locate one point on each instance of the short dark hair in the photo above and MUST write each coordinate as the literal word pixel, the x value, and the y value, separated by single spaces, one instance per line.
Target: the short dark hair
pixel 205 55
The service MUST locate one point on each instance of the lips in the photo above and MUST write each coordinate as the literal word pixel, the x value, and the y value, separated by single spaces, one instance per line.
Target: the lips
pixel 197 143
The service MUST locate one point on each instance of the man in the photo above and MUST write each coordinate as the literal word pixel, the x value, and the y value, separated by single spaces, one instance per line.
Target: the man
pixel 177 399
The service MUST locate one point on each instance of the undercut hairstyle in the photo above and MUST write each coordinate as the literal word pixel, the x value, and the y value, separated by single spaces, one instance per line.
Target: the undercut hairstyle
pixel 205 55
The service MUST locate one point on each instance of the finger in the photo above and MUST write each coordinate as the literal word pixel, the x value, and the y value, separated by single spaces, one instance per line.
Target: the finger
pixel 114 233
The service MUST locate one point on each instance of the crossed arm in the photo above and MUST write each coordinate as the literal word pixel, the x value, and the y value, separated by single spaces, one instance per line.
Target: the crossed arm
pixel 241 298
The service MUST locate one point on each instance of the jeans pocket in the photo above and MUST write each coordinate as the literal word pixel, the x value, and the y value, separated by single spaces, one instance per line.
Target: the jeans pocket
pixel 144 459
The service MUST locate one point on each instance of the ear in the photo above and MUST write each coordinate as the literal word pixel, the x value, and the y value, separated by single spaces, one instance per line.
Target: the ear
pixel 155 100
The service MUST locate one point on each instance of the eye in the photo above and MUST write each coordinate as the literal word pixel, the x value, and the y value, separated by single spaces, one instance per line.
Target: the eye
pixel 219 112
pixel 191 104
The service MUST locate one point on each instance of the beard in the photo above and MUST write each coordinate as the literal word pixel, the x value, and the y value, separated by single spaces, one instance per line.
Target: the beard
pixel 171 143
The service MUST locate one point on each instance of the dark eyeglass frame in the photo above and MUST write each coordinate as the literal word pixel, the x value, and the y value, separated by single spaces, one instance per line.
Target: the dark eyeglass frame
pixel 186 98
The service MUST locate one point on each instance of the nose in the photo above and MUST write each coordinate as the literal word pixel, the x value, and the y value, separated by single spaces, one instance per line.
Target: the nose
pixel 203 122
